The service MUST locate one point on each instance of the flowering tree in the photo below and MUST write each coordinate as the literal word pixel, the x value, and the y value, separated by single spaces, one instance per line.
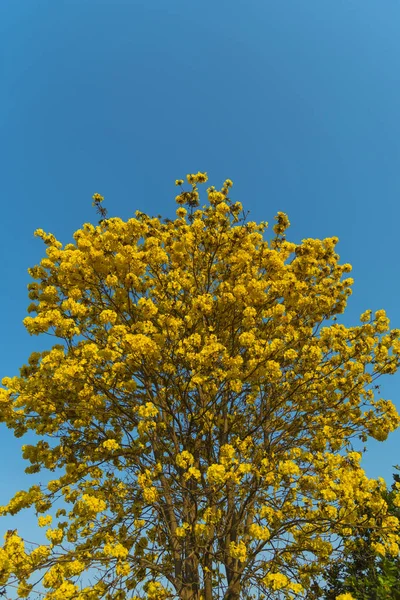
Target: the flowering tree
pixel 203 405
pixel 361 572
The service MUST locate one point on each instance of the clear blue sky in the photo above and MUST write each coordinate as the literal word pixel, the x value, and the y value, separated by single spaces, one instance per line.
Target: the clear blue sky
pixel 296 101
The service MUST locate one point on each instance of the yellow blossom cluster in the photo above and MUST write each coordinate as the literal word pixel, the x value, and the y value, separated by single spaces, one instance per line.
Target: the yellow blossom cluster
pixel 238 551
pixel 116 550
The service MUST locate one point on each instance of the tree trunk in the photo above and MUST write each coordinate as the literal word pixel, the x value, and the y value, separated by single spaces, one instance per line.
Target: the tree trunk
pixel 233 591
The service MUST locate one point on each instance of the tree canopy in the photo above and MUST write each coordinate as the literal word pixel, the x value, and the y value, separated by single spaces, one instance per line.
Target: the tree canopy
pixel 206 408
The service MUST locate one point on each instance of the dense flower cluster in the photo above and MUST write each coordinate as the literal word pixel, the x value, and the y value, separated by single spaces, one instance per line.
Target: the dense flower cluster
pixel 203 401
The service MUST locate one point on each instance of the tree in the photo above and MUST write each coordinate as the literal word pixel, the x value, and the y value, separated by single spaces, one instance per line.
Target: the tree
pixel 203 405
pixel 363 573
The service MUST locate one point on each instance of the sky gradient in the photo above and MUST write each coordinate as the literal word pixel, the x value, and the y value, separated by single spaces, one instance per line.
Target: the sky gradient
pixel 296 102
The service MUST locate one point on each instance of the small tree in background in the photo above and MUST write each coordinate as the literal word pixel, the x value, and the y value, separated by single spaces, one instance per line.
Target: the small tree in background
pixel 202 404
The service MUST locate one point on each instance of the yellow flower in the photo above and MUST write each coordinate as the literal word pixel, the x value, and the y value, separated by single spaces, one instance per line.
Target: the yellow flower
pixel 181 531
pixel 108 316
pixel 184 459
pixel 193 472
pixel 93 504
pixel 55 535
pixel 238 551
pixel 43 521
pixel 110 445
pixel 288 467
pixel 181 212
pixel 155 591
pixel 97 198
pixel 150 494
pixel 199 178
pixel 276 581
pixel 378 548
pixel 258 532
pixel 148 410
pixel 117 550
pixel 216 474
pixel 122 569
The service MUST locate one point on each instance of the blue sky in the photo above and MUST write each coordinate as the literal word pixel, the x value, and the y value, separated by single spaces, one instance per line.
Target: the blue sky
pixel 296 101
